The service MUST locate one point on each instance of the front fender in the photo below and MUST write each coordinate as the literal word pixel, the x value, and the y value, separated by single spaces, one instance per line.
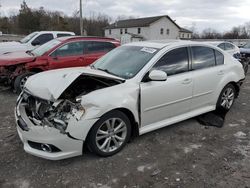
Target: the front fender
pixel 100 102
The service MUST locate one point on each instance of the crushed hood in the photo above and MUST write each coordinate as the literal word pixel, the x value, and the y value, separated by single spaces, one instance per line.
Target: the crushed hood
pixel 14 58
pixel 50 85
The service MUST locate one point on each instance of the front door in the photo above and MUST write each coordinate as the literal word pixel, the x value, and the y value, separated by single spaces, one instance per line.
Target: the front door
pixel 68 55
pixel 161 100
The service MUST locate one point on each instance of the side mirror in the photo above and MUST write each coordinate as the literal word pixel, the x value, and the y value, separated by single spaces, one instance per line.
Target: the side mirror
pixel 157 75
pixel 35 43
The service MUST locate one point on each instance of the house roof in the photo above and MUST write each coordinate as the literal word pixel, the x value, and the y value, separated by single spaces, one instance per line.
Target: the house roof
pixel 139 22
pixel 185 30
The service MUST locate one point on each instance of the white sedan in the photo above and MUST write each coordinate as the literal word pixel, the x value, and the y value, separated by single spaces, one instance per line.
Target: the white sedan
pixel 228 47
pixel 134 89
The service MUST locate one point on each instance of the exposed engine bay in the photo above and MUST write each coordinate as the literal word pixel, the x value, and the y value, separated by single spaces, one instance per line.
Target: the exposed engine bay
pixel 58 114
pixel 85 84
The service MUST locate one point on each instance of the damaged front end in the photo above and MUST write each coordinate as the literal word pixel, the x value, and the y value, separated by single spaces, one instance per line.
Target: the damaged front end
pixel 46 113
pixel 52 119
pixel 58 113
pixel 9 73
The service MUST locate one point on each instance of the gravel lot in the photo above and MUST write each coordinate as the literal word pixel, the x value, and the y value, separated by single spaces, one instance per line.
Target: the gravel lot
pixel 186 154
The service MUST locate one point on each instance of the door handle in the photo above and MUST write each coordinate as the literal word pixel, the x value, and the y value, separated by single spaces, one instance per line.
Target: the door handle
pixel 187 81
pixel 221 72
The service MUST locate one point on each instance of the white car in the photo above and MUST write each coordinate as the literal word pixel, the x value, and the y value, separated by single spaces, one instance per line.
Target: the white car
pixel 245 50
pixel 134 89
pixel 228 47
pixel 32 41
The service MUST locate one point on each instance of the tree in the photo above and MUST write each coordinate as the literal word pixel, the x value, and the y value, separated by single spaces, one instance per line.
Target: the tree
pixel 28 22
pixel 210 33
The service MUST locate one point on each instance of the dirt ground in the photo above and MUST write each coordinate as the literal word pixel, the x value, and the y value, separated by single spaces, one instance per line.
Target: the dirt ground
pixel 186 154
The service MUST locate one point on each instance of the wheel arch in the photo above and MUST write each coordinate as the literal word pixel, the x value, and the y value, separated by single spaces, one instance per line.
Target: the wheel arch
pixel 35 70
pixel 236 86
pixel 134 124
pixel 131 117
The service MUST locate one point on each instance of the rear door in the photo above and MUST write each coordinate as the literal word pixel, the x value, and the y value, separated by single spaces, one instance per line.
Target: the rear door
pixel 96 49
pixel 208 69
pixel 69 55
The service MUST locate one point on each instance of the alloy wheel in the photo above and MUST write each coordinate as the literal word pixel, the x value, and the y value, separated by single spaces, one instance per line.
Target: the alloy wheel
pixel 227 98
pixel 111 135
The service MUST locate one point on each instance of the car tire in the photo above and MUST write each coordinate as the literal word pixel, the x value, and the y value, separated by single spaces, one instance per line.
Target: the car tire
pixel 109 134
pixel 226 98
pixel 20 81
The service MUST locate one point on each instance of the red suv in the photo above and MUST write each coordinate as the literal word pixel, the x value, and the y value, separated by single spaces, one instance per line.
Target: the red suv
pixel 63 52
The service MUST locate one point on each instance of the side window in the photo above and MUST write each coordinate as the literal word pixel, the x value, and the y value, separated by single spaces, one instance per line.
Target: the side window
pixel 219 58
pixel 70 49
pixel 228 46
pixel 93 47
pixel 203 57
pixel 44 38
pixel 222 46
pixel 63 35
pixel 173 62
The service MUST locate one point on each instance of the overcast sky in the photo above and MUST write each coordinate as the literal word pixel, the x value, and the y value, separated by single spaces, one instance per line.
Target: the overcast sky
pixel 221 15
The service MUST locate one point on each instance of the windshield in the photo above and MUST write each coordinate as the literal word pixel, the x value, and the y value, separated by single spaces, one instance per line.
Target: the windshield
pixel 45 47
pixel 125 61
pixel 28 38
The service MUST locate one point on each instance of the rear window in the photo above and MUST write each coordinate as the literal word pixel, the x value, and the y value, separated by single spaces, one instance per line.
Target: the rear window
pixel 222 46
pixel 203 57
pixel 63 35
pixel 93 47
pixel 219 58
pixel 229 46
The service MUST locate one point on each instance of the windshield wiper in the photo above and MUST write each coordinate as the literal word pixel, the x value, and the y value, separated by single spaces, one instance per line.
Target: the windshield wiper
pixel 107 71
pixel 92 66
pixel 30 53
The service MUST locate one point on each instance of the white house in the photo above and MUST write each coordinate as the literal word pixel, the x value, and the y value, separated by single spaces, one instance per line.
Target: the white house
pixel 149 28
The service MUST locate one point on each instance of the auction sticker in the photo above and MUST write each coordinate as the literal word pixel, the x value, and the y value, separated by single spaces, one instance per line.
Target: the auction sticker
pixel 148 50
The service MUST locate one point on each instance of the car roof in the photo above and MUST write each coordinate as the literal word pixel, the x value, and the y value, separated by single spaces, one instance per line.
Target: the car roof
pixel 159 44
pixel 216 43
pixel 72 38
pixel 56 32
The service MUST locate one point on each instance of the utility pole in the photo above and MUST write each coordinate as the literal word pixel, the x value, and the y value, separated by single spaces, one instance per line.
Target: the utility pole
pixel 81 20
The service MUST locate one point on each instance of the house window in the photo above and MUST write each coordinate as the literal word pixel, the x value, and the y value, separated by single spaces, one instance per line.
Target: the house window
pixel 139 30
pixel 110 32
pixel 188 36
pixel 167 31
pixel 121 32
pixel 183 35
pixel 161 31
pixel 126 30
